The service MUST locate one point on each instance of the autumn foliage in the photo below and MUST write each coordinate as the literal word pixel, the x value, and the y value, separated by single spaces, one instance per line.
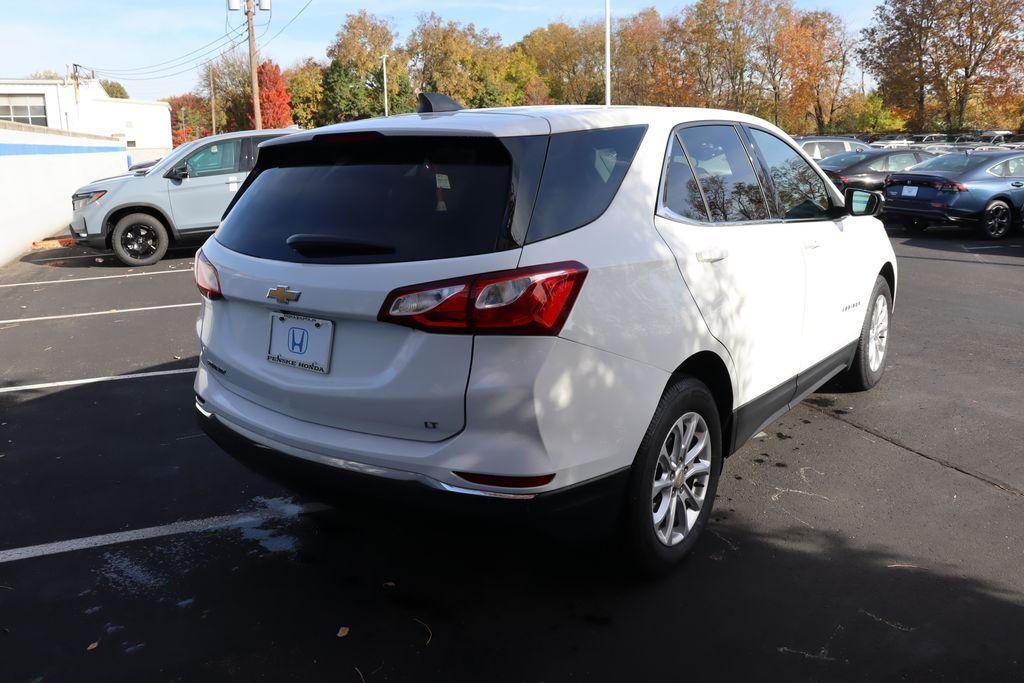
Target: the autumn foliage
pixel 275 103
pixel 946 67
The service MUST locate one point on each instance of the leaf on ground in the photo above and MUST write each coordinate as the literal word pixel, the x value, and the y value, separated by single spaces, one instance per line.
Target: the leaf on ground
pixel 93 645
pixel 389 584
pixel 343 631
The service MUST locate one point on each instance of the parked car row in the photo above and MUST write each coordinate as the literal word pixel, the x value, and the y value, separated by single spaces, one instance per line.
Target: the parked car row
pixel 979 188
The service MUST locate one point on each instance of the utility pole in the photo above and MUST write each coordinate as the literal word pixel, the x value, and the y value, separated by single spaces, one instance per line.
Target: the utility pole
pixel 384 60
pixel 250 12
pixel 213 105
pixel 607 53
pixel 74 75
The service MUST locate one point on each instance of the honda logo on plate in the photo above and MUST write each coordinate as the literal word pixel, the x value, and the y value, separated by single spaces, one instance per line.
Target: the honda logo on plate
pixel 298 338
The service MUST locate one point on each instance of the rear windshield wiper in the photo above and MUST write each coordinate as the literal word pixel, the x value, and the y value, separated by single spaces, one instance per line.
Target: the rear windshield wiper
pixel 333 245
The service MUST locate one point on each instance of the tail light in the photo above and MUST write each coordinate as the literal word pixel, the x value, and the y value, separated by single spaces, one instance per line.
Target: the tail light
pixel 532 301
pixel 207 279
pixel 950 187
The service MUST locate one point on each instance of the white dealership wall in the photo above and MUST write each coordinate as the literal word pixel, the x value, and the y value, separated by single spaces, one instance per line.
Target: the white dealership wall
pixel 40 168
pixel 144 126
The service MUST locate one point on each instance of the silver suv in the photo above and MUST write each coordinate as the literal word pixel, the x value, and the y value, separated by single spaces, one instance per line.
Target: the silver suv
pixel 139 214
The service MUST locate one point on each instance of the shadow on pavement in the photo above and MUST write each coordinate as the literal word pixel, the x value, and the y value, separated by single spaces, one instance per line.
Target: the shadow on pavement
pixel 79 258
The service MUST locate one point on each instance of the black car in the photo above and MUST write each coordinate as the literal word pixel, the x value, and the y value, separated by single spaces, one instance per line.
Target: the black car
pixel 867 170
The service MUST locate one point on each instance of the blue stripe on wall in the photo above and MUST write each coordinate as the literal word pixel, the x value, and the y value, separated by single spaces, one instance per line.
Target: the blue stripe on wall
pixel 19 149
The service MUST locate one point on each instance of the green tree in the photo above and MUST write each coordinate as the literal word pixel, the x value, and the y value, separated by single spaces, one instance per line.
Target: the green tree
pixel 306 88
pixel 344 95
pixel 114 89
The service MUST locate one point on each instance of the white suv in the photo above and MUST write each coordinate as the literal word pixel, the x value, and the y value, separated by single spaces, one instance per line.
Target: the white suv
pixel 536 304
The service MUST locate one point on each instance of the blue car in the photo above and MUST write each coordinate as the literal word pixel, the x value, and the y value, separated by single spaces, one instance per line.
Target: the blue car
pixel 980 189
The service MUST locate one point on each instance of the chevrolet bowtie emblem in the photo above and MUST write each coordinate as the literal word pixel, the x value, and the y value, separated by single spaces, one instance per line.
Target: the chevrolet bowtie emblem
pixel 283 295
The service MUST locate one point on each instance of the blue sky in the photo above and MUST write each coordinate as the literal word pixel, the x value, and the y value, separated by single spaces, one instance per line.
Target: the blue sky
pixel 128 34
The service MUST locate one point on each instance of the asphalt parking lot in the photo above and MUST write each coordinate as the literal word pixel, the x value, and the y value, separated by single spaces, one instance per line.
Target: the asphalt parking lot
pixel 863 536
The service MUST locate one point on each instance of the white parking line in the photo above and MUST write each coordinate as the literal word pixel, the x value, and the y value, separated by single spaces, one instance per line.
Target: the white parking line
pixel 93 380
pixel 177 528
pixel 999 246
pixel 84 315
pixel 98 277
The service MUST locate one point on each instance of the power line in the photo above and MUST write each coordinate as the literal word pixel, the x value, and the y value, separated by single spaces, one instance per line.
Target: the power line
pixel 219 39
pixel 203 63
pixel 297 14
pixel 171 66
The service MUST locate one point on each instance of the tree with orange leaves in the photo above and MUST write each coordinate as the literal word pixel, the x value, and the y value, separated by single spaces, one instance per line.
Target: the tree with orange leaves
pixel 275 103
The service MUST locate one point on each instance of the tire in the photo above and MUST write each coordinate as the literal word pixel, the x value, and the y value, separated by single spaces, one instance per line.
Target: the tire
pixel 868 361
pixel 997 220
pixel 645 537
pixel 139 239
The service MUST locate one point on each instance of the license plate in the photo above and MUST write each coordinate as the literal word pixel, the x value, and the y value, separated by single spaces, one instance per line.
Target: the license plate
pixel 910 190
pixel 301 342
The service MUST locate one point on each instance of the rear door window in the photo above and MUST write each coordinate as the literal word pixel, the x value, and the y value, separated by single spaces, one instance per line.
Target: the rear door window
pixel 800 191
pixel 681 193
pixel 582 173
pixel 723 171
pixel 375 199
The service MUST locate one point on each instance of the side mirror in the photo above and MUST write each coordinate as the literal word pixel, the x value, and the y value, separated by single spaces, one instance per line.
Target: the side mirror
pixel 862 202
pixel 178 171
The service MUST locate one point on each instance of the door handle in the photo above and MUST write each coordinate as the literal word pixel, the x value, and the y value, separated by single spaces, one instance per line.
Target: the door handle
pixel 812 244
pixel 712 255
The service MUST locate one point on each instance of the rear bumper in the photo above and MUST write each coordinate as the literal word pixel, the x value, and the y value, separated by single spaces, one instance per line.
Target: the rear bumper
pixel 332 476
pixel 930 213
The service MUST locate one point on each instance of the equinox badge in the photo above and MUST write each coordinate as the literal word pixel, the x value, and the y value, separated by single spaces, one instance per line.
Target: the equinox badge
pixel 282 294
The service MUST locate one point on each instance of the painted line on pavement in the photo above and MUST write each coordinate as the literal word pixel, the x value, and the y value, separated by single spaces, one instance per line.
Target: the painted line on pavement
pixel 98 277
pixel 85 315
pixel 93 380
pixel 218 523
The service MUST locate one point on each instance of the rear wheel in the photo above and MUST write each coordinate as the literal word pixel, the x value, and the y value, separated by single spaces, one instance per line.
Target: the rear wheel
pixel 674 478
pixel 997 220
pixel 139 239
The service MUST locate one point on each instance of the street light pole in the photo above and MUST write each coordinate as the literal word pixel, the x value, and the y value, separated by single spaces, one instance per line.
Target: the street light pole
pixel 250 11
pixel 607 53
pixel 384 61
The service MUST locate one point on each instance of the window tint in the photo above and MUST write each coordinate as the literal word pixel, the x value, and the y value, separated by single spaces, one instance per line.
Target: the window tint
pixel 251 150
pixel 582 173
pixel 829 147
pixel 1011 168
pixel 682 195
pixel 878 165
pixel 411 198
pixel 216 158
pixel 724 172
pixel 950 162
pixel 898 162
pixel 801 191
pixel 844 160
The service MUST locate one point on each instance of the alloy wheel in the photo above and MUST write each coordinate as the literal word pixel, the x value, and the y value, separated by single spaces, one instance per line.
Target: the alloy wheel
pixel 997 220
pixel 878 333
pixel 140 241
pixel 681 479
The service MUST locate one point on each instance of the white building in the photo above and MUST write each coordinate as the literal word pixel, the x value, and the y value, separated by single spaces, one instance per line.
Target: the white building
pixel 143 125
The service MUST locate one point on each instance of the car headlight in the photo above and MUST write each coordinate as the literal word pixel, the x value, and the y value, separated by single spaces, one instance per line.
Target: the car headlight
pixel 85 198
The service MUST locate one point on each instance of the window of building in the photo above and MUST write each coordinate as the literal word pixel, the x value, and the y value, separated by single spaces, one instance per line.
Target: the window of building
pixel 29 109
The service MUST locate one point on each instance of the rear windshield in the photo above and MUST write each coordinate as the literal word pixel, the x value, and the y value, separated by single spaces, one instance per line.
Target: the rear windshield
pixel 378 199
pixel 949 162
pixel 844 160
pixel 367 198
